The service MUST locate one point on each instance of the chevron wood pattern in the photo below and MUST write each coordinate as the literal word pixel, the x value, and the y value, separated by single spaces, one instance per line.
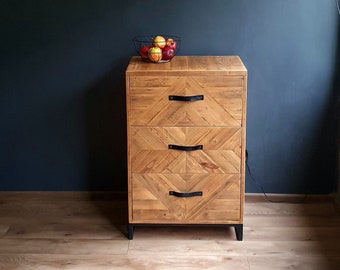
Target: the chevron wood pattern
pixel 221 150
pixel 220 202
pixel 222 105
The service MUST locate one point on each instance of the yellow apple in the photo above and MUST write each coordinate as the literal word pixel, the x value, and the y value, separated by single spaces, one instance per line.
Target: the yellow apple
pixel 159 42
pixel 155 54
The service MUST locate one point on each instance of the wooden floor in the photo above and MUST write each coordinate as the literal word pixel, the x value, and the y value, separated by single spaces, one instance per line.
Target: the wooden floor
pixel 87 231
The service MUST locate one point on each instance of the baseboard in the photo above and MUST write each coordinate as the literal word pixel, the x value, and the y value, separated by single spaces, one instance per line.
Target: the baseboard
pixel 122 195
pixel 64 195
pixel 288 198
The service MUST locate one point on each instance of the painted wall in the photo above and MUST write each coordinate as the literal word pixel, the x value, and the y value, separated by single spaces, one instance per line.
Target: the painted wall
pixel 62 99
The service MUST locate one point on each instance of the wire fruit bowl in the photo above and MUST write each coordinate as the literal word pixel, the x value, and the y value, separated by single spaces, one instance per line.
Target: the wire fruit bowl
pixel 157 49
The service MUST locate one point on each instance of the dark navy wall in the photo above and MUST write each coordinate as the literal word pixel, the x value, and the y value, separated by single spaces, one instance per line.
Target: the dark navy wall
pixel 62 95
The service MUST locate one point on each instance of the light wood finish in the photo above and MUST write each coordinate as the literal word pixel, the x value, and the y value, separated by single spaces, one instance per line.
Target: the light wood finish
pixel 76 230
pixel 217 123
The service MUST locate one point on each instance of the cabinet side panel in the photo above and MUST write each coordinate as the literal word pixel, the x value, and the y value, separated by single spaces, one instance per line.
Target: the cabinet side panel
pixel 128 126
pixel 244 144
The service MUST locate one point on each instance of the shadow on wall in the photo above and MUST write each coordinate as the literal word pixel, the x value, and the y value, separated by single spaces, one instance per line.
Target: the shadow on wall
pixel 332 148
pixel 324 157
pixel 337 111
pixel 106 132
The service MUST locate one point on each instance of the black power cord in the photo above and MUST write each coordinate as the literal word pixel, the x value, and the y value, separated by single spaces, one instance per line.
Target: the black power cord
pixel 260 187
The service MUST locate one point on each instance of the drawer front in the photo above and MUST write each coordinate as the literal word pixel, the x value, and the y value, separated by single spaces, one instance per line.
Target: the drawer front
pixel 186 198
pixel 197 150
pixel 185 101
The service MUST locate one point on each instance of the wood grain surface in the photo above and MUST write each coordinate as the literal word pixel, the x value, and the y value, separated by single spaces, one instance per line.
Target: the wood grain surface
pixel 75 230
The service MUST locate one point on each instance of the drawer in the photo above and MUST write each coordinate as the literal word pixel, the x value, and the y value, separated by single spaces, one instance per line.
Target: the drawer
pixel 198 150
pixel 185 101
pixel 186 198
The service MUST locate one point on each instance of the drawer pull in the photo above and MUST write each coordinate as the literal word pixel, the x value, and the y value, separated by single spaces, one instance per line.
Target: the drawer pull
pixel 186 98
pixel 185 195
pixel 185 148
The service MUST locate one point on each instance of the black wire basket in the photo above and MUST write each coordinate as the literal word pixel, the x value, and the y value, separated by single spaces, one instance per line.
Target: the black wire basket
pixel 162 51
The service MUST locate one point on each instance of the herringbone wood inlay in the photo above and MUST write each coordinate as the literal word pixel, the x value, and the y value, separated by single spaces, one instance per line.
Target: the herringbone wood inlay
pixel 221 106
pixel 221 150
pixel 220 202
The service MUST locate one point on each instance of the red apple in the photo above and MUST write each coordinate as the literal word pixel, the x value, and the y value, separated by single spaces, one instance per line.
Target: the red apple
pixel 171 43
pixel 168 53
pixel 144 51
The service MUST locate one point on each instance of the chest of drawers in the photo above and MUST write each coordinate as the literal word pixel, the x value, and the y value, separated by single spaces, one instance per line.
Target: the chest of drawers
pixel 186 124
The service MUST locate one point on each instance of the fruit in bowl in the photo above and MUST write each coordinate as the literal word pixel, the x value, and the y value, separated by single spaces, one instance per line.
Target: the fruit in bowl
pixel 170 42
pixel 159 41
pixel 155 54
pixel 157 49
pixel 144 52
pixel 168 53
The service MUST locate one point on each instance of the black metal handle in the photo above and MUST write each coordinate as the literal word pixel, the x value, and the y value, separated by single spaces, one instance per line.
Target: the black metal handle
pixel 185 148
pixel 186 98
pixel 185 194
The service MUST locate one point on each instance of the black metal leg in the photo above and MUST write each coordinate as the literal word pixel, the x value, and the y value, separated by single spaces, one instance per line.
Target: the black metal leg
pixel 130 231
pixel 239 232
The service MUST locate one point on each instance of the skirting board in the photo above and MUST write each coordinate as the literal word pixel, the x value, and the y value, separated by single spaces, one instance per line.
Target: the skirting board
pixel 122 195
pixel 277 197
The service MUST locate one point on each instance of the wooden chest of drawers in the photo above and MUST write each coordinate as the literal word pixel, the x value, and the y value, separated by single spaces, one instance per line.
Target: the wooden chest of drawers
pixel 186 123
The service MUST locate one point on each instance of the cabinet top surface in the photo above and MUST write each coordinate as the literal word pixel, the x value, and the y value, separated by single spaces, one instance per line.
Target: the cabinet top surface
pixel 229 65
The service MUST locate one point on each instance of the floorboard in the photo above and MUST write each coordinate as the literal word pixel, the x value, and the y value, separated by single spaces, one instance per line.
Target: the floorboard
pixel 76 230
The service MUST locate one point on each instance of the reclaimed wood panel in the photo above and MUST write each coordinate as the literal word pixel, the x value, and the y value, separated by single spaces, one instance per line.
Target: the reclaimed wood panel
pixel 149 103
pixel 220 202
pixel 221 151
